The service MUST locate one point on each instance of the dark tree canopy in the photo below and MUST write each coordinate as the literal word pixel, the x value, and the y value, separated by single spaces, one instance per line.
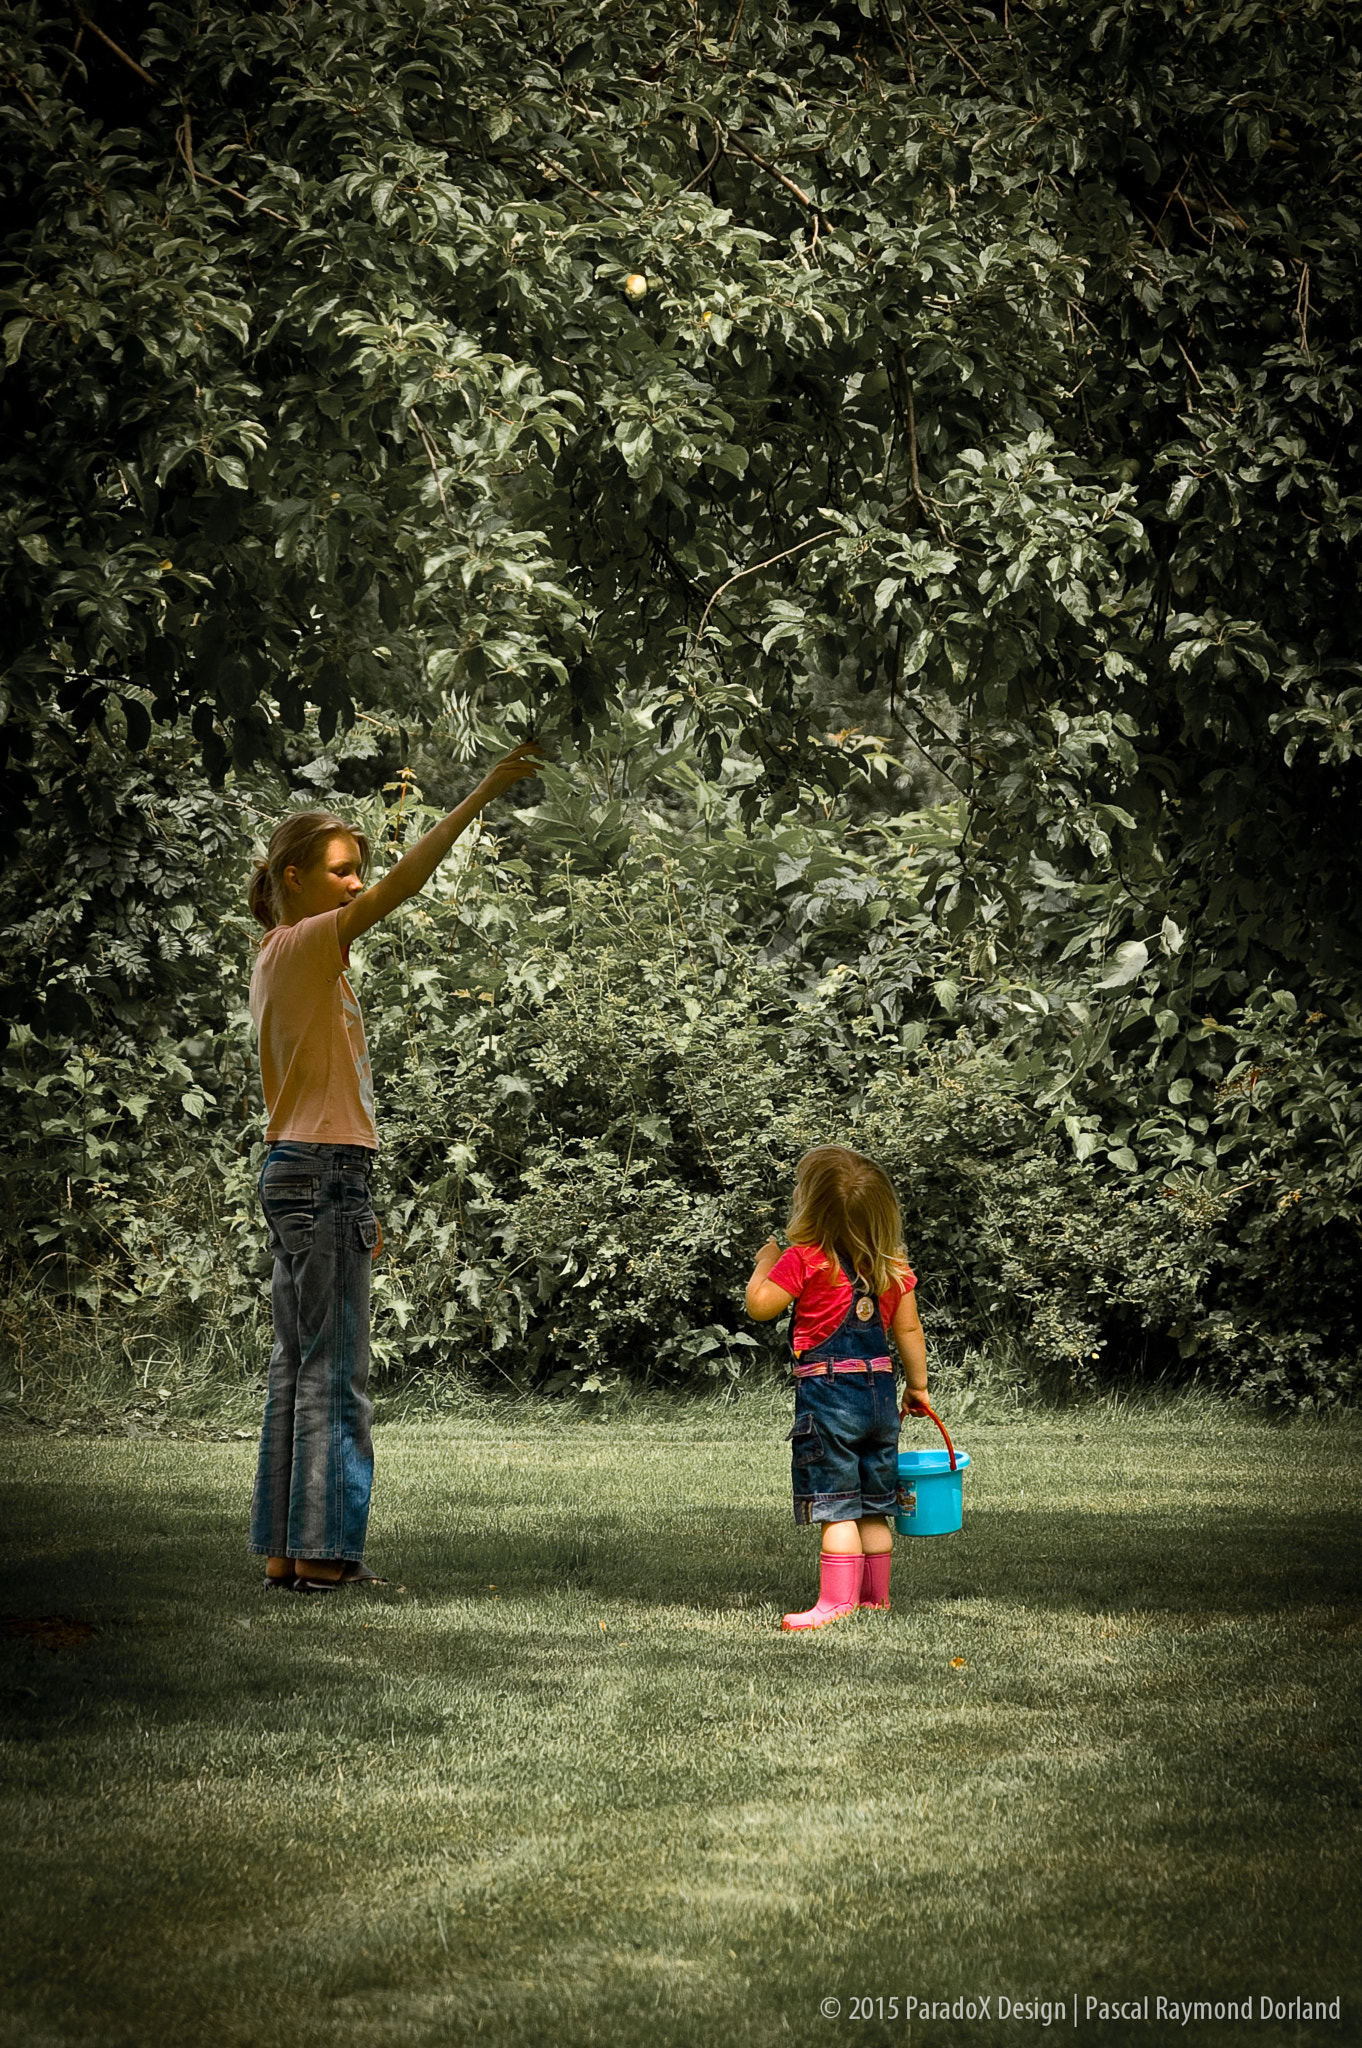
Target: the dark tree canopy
pixel 984 375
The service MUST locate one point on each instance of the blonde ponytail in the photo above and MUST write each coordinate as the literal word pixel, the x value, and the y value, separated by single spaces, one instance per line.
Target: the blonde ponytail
pixel 260 896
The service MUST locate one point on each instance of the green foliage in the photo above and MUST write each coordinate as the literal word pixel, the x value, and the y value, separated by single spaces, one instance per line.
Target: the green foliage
pixel 603 1041
pixel 782 369
pixel 738 390
pixel 103 911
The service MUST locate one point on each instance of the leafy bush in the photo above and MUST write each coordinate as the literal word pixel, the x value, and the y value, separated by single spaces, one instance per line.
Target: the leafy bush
pixel 604 1039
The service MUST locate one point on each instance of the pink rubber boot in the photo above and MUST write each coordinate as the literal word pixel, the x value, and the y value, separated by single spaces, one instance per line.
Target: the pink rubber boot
pixel 839 1586
pixel 875 1578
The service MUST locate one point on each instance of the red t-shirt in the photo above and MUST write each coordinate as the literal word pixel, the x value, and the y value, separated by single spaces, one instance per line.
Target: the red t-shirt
pixel 823 1293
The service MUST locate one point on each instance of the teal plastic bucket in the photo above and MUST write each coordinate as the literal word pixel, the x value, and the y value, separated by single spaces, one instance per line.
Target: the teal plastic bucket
pixel 931 1496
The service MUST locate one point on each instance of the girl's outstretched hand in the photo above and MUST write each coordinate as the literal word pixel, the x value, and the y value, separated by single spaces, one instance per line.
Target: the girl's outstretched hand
pixel 419 862
pixel 511 768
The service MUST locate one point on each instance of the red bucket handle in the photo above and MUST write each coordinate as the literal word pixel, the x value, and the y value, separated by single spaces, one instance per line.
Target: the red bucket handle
pixel 926 1408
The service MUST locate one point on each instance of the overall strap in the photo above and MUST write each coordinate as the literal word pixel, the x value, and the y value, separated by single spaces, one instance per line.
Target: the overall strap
pixel 851 1327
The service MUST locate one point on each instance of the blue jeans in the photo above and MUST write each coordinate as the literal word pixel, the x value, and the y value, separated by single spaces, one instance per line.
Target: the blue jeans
pixel 316 1465
pixel 844 1447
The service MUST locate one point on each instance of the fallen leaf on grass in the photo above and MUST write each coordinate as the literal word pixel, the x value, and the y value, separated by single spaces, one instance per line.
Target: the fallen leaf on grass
pixel 959 1663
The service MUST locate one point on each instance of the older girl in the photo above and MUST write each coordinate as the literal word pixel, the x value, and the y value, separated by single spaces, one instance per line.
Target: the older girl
pixel 846 1275
pixel 315 1470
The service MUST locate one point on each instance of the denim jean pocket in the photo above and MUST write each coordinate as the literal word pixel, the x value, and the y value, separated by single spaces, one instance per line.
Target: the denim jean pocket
pixel 366 1229
pixel 806 1445
pixel 290 1205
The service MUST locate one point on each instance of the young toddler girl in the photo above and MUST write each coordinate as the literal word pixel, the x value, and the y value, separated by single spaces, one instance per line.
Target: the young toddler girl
pixel 310 1513
pixel 846 1274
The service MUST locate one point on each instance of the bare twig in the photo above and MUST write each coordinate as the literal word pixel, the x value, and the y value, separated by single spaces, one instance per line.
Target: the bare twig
pixel 898 718
pixel 960 56
pixel 548 163
pixel 1182 202
pixel 429 447
pixel 75 52
pixel 95 30
pixel 184 140
pixel 828 534
pixel 1303 308
pixel 969 31
pixel 26 97
pixel 700 176
pixel 918 492
pixel 1178 194
pixel 202 177
pixel 914 741
pixel 728 46
pixel 1190 364
pixel 1235 216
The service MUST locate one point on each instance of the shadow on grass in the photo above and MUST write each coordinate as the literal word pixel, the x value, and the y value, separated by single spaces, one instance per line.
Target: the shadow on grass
pixel 582 1762
pixel 75 1547
pixel 178 1613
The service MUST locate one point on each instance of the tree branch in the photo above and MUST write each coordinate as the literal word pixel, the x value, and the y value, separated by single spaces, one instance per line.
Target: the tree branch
pixel 184 142
pixel 26 97
pixel 95 30
pixel 959 55
pixel 75 52
pixel 926 718
pixel 769 563
pixel 728 46
pixel 1190 364
pixel 779 176
pixel 919 494
pixel 1303 308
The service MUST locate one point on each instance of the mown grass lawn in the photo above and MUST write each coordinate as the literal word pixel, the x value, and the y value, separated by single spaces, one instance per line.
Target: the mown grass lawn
pixel 565 1781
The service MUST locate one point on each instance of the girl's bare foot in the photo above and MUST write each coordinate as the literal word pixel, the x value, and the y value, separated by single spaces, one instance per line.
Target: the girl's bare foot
pixel 328 1568
pixel 280 1568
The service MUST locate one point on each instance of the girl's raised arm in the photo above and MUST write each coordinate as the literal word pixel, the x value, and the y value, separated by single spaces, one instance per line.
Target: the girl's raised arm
pixel 419 862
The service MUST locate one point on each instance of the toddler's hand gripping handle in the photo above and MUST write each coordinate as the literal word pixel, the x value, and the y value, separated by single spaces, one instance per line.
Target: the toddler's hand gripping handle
pixel 925 1408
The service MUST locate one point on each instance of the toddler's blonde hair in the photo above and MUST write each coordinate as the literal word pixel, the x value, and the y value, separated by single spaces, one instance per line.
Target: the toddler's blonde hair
pixel 843 1203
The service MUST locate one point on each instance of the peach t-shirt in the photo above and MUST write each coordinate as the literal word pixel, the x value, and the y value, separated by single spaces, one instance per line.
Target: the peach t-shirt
pixel 314 1059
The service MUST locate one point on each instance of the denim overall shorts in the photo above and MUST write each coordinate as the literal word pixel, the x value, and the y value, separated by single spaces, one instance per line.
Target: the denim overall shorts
pixel 845 1441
